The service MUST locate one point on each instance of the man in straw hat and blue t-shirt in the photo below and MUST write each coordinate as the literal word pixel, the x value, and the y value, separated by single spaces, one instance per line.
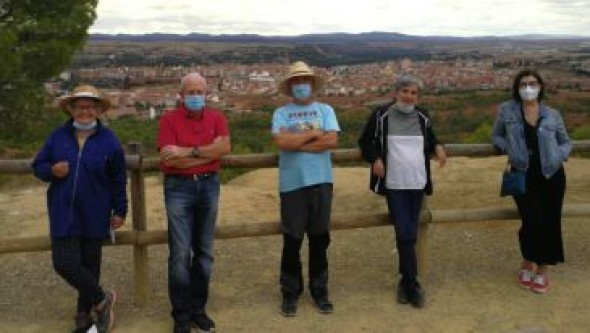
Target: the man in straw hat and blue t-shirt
pixel 304 130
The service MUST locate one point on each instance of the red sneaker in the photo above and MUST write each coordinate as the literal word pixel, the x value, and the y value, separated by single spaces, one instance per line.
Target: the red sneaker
pixel 525 278
pixel 540 284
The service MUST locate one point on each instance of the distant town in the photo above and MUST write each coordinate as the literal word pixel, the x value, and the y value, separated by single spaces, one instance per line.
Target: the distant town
pixel 146 91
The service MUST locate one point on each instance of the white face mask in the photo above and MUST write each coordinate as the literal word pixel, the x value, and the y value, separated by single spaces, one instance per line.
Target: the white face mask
pixel 84 127
pixel 403 107
pixel 529 93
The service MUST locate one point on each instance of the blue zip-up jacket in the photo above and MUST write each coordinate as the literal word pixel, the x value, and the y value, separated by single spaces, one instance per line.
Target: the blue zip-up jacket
pixel 508 137
pixel 373 144
pixel 81 204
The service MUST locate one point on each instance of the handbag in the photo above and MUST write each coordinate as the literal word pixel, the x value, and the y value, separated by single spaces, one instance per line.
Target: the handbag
pixel 513 182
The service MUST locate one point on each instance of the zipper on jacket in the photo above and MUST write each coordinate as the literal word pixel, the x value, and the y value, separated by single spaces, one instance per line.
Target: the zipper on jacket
pixel 75 187
pixel 75 181
pixel 382 137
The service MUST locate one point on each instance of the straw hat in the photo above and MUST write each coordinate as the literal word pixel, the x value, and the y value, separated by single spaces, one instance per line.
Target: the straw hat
pixel 297 69
pixel 84 91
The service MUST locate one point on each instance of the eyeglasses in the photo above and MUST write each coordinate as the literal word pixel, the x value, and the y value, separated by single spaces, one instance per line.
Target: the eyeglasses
pixel 532 84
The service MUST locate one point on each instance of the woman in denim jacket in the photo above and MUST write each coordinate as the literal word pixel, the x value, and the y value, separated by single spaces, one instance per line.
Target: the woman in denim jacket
pixel 534 137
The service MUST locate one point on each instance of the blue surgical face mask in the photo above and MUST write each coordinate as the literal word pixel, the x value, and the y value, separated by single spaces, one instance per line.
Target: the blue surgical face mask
pixel 84 127
pixel 301 91
pixel 194 102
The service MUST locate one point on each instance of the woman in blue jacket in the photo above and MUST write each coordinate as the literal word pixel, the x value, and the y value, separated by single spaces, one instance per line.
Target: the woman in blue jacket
pixel 535 139
pixel 398 141
pixel 84 164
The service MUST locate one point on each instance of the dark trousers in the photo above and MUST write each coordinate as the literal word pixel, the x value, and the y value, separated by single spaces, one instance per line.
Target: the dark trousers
pixel 404 212
pixel 305 210
pixel 77 260
pixel 540 211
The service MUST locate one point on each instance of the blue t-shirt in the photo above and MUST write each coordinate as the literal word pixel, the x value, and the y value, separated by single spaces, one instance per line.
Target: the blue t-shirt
pixel 300 169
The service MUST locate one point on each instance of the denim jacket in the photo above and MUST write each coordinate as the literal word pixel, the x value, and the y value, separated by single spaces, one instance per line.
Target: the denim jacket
pixel 508 137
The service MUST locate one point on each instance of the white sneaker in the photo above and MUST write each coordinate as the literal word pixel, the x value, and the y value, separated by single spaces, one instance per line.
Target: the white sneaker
pixel 525 278
pixel 540 284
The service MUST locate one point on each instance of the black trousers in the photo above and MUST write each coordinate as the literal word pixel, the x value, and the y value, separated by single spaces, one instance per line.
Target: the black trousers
pixel 305 210
pixel 77 260
pixel 540 211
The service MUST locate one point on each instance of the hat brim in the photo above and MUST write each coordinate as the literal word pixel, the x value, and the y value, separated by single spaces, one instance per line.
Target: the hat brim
pixel 65 102
pixel 317 84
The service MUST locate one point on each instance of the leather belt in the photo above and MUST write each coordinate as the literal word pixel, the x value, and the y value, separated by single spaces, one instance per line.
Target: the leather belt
pixel 195 176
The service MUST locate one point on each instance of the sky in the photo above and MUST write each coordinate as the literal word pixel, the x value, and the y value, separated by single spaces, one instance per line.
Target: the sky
pixel 288 17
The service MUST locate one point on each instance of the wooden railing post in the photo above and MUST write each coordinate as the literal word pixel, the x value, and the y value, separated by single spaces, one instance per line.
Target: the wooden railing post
pixel 138 206
pixel 422 241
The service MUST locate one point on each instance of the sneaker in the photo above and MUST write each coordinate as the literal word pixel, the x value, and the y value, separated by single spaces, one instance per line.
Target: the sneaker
pixel 323 305
pixel 415 294
pixel 289 307
pixel 203 322
pixel 525 278
pixel 181 328
pixel 540 284
pixel 83 322
pixel 105 318
pixel 402 296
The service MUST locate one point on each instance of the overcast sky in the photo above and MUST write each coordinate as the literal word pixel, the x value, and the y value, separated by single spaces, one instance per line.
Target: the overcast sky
pixel 287 17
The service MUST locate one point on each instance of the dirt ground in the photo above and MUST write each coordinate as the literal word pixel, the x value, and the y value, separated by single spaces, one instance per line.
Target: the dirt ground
pixel 470 284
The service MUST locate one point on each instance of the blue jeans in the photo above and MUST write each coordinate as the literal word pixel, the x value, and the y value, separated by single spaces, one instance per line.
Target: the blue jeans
pixel 191 207
pixel 404 211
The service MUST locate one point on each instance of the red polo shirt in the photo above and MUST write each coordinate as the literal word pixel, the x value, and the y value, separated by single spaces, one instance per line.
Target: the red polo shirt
pixel 181 129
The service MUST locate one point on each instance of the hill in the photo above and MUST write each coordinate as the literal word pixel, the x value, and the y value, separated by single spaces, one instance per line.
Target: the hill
pixel 366 37
pixel 323 50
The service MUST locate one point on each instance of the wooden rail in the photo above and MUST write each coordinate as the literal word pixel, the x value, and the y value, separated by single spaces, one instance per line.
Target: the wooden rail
pixel 140 238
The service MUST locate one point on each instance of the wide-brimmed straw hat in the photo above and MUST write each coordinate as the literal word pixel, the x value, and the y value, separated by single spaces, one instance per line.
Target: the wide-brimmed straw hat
pixel 84 91
pixel 297 69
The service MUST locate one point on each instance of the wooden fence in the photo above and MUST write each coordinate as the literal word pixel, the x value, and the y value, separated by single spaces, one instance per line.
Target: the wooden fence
pixel 140 238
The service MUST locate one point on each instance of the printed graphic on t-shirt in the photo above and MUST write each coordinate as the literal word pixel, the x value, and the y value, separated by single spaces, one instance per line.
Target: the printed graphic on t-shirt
pixel 304 126
pixel 303 121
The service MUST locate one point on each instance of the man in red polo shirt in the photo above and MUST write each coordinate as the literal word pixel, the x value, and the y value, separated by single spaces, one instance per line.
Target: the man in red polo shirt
pixel 191 141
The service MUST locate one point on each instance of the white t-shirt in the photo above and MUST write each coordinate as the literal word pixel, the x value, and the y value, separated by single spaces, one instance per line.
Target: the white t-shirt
pixel 405 163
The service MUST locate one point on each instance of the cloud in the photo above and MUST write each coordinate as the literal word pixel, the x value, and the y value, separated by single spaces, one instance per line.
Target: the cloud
pixel 283 17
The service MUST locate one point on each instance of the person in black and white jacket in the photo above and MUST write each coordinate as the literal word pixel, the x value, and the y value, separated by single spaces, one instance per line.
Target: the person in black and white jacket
pixel 398 141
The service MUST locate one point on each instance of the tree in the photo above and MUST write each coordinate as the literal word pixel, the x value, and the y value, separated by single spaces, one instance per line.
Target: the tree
pixel 37 41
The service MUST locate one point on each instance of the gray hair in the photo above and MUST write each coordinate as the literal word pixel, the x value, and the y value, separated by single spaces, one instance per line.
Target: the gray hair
pixel 192 78
pixel 406 81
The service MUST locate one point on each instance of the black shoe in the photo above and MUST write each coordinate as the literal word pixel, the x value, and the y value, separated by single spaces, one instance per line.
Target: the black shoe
pixel 289 307
pixel 203 322
pixel 415 294
pixel 83 322
pixel 402 296
pixel 181 328
pixel 105 318
pixel 323 305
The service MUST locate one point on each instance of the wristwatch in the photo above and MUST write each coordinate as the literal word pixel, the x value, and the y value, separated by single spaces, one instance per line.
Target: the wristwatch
pixel 196 152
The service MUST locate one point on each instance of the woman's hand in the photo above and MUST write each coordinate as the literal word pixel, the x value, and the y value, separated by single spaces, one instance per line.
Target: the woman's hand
pixel 117 222
pixel 60 169
pixel 378 168
pixel 441 155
